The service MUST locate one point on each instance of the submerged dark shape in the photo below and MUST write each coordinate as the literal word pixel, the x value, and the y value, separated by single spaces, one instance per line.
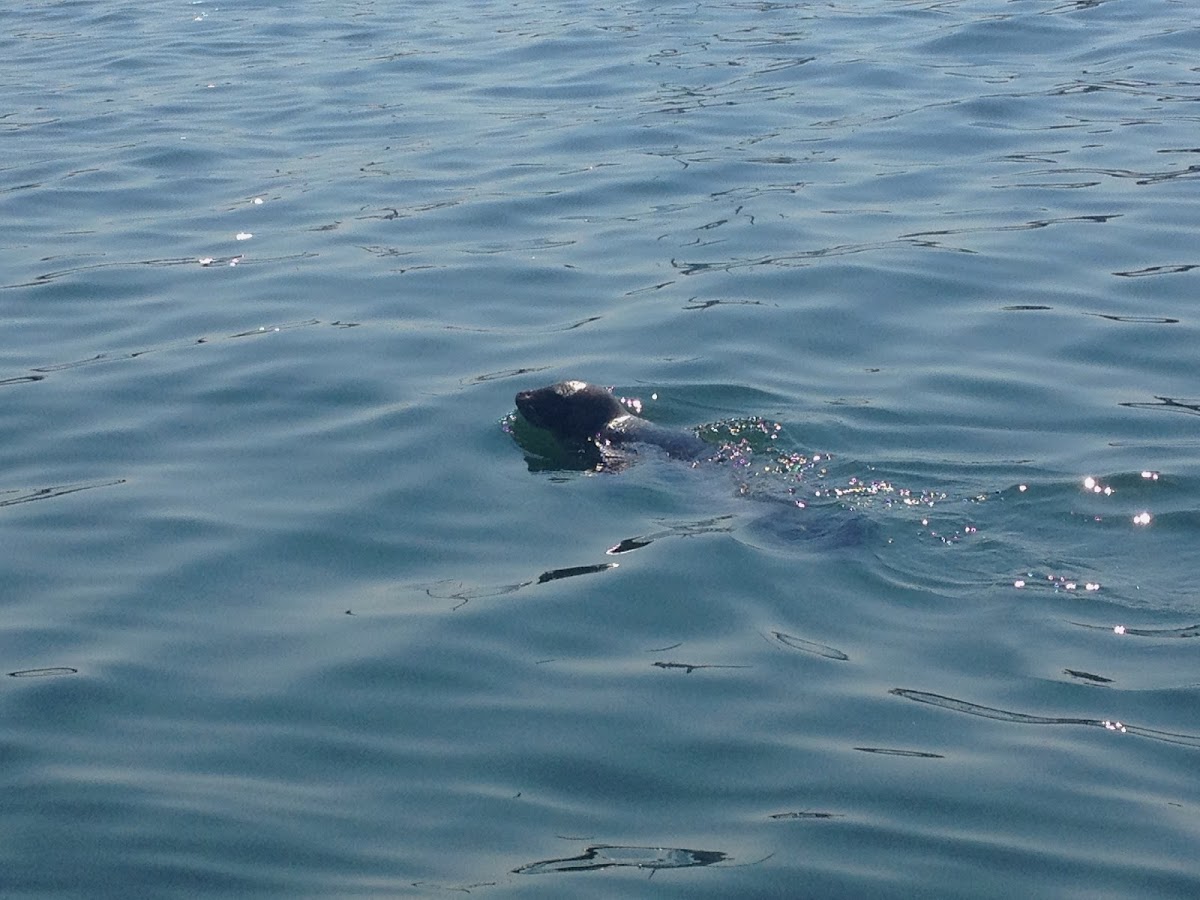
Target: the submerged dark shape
pixel 579 414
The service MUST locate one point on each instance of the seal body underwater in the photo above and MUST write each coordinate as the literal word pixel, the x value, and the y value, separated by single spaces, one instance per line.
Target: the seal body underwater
pixel 589 425
pixel 576 413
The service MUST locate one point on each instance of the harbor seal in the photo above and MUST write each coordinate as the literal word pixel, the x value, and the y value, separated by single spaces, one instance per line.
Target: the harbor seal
pixel 577 414
pixel 574 425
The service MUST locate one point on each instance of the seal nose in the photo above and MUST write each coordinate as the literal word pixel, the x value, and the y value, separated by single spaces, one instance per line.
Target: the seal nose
pixel 525 406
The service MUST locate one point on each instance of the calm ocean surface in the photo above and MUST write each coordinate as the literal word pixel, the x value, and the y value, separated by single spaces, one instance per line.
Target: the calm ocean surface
pixel 285 608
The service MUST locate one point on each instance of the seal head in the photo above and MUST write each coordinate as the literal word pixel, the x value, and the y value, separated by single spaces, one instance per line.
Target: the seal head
pixel 582 415
pixel 572 411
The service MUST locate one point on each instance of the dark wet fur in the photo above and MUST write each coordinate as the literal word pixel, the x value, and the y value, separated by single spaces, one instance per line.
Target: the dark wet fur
pixel 572 411
pixel 577 413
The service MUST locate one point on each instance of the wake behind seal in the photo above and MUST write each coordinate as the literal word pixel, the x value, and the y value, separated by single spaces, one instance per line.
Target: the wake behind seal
pixel 582 426
pixel 577 414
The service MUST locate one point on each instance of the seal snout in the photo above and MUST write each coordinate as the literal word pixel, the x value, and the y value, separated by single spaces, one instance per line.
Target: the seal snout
pixel 527 406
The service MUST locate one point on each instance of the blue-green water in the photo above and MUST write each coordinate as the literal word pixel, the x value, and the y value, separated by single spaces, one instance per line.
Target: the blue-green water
pixel 286 609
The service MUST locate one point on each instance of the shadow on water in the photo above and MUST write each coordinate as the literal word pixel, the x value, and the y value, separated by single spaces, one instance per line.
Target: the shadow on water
pixel 608 856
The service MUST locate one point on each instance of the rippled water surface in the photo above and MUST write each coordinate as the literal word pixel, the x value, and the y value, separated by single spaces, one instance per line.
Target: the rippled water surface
pixel 291 607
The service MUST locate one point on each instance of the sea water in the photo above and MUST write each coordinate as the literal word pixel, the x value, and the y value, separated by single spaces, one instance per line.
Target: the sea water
pixel 287 609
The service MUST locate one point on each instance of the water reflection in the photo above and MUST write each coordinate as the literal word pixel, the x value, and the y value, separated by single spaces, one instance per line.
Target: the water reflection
pixel 607 856
pixel 1017 718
